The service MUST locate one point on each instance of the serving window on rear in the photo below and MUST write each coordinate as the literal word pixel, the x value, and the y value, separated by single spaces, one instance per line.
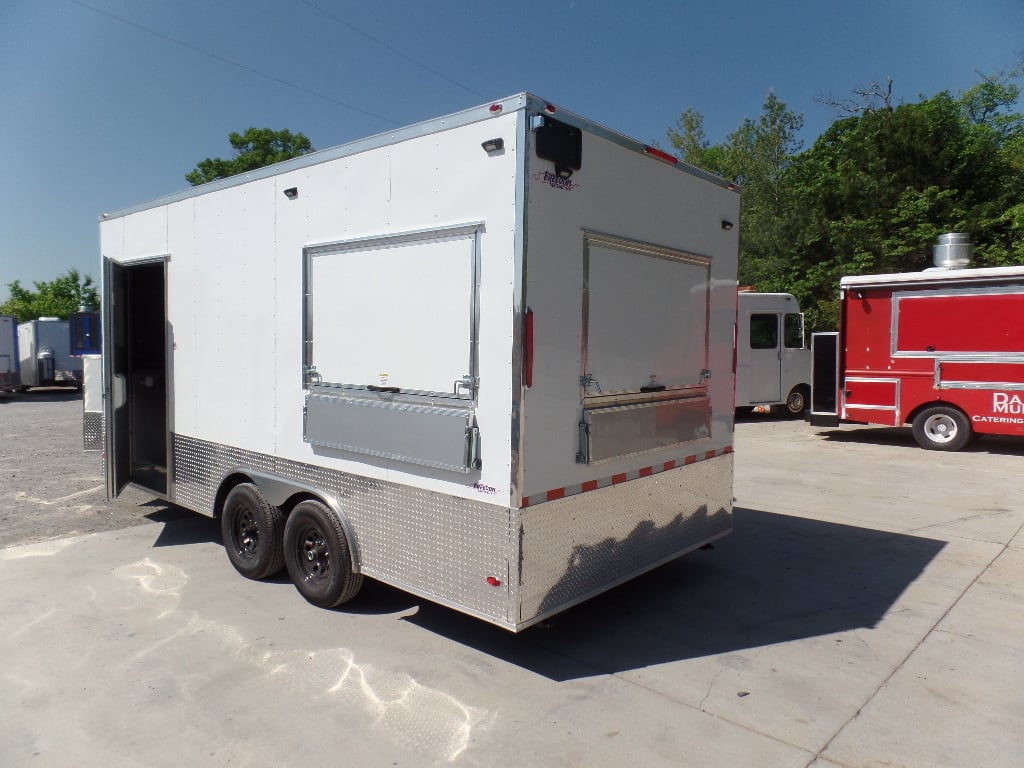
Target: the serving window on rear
pixel 645 319
pixel 645 348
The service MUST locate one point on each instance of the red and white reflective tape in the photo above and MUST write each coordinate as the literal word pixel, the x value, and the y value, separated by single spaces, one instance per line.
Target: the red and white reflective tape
pixel 633 474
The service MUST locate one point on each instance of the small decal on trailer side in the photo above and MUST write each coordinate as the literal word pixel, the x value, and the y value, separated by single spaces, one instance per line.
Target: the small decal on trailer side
pixel 554 180
pixel 481 488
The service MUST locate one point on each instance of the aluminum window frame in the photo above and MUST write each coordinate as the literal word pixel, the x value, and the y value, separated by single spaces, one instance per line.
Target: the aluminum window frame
pixel 472 230
pixel 626 245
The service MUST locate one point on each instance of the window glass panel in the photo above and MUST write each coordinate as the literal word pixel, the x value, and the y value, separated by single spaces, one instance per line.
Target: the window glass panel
pixel 764 331
pixel 794 331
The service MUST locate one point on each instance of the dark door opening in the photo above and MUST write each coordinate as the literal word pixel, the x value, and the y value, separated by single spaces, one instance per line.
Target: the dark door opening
pixel 137 362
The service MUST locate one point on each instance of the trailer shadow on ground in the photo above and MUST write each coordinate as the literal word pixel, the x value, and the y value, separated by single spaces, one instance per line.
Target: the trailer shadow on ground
pixel 181 526
pixel 776 579
pixel 44 395
pixel 903 437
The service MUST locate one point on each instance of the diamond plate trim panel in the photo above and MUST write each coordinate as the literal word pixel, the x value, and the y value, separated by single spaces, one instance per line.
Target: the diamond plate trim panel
pixel 199 467
pixel 547 557
pixel 92 431
pixel 578 546
pixel 438 546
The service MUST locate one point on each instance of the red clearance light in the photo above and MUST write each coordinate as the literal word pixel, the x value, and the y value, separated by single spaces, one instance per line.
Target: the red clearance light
pixel 550 109
pixel 661 155
pixel 494 582
pixel 496 108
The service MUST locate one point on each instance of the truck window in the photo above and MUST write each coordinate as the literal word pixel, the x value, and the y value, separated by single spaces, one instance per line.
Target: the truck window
pixel 793 337
pixel 764 331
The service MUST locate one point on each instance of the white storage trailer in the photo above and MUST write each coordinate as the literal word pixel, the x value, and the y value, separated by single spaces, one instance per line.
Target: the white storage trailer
pixel 773 358
pixel 486 359
pixel 46 359
pixel 10 361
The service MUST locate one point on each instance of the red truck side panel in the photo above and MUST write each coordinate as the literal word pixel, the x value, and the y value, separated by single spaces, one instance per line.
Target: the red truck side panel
pixel 903 348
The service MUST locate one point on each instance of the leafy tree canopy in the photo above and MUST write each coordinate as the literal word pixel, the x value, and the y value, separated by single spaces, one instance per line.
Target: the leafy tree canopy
pixel 875 191
pixel 62 297
pixel 255 148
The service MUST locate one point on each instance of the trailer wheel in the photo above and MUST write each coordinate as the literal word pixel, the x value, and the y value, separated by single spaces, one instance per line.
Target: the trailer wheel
pixel 252 531
pixel 796 403
pixel 317 556
pixel 941 428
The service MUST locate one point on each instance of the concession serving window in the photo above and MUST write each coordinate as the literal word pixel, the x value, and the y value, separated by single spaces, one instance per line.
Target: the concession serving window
pixel 645 347
pixel 377 382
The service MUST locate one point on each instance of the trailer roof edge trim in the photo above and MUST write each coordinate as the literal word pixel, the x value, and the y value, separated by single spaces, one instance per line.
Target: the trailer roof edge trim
pixel 934 276
pixel 465 117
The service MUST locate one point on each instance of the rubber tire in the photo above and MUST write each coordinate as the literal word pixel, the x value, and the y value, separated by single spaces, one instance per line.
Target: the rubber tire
pixel 941 428
pixel 798 400
pixel 252 530
pixel 317 556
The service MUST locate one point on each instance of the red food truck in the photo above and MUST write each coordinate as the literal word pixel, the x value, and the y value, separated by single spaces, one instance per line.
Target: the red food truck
pixel 941 350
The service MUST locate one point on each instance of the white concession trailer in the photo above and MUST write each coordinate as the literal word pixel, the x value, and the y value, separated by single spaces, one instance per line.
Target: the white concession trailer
pixel 487 359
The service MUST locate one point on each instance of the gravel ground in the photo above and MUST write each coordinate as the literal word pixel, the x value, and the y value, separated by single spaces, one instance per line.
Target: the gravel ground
pixel 49 486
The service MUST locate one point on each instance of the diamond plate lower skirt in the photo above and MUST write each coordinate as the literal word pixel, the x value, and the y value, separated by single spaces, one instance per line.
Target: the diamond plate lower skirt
pixel 512 567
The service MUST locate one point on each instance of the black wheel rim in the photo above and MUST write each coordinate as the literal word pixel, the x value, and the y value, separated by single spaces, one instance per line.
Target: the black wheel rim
pixel 312 555
pixel 246 534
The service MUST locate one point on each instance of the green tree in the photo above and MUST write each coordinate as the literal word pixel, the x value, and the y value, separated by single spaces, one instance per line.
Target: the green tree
pixel 687 136
pixel 756 155
pixel 876 190
pixel 255 148
pixel 58 298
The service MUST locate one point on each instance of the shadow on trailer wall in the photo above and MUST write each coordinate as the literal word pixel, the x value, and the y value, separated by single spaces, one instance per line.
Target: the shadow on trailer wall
pixel 138 371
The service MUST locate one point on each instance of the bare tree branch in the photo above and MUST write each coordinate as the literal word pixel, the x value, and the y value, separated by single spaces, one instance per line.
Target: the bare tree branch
pixel 870 98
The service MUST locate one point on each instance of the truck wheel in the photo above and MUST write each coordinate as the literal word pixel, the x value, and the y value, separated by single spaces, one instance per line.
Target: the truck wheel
pixel 796 403
pixel 941 428
pixel 317 556
pixel 252 531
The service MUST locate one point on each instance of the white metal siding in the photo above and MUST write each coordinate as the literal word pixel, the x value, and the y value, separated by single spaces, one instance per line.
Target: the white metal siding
pixel 433 181
pixel 234 344
pixel 146 234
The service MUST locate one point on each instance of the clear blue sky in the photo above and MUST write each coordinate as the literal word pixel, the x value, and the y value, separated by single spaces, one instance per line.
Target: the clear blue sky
pixel 109 103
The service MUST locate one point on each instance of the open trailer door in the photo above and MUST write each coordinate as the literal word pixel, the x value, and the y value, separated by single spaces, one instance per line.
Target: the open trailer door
pixel 135 361
pixel 115 353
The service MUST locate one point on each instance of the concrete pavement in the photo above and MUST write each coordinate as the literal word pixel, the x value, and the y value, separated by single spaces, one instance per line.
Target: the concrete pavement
pixel 866 612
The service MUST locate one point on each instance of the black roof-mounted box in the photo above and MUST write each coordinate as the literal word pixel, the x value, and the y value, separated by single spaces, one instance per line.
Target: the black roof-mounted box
pixel 561 144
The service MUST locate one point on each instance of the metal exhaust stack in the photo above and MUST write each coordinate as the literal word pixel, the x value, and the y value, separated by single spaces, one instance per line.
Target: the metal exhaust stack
pixel 953 251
